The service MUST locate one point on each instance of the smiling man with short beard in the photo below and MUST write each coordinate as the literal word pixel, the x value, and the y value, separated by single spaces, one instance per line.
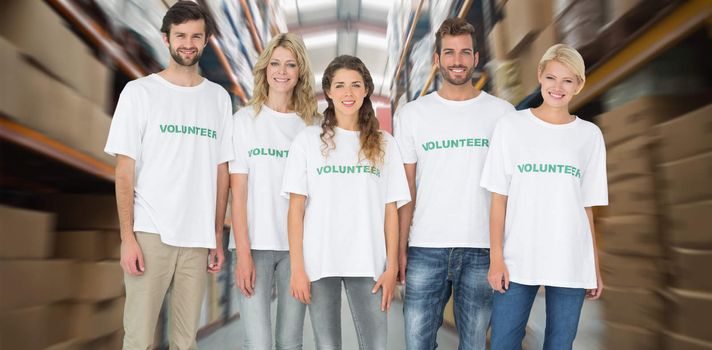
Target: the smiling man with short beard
pixel 172 137
pixel 444 232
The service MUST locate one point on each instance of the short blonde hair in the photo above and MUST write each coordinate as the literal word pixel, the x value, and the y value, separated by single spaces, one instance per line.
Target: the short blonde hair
pixel 567 56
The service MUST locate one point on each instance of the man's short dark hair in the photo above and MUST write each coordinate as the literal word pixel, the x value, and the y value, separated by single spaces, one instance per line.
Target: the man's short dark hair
pixel 184 11
pixel 454 27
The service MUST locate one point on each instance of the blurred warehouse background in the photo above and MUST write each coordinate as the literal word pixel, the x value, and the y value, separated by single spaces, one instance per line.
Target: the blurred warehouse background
pixel 63 64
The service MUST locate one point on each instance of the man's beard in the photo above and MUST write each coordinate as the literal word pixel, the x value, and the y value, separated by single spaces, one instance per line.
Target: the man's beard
pixel 184 62
pixel 445 73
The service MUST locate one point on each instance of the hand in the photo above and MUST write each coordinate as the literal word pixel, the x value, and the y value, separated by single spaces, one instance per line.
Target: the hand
pixel 216 257
pixel 301 286
pixel 402 262
pixel 595 293
pixel 131 257
pixel 245 274
pixel 387 281
pixel 498 275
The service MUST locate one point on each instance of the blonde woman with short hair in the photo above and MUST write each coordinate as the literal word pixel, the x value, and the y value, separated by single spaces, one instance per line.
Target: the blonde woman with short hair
pixel 546 169
pixel 284 103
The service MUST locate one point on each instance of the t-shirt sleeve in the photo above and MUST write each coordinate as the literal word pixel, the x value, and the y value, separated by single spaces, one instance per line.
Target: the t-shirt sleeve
pixel 594 183
pixel 403 133
pixel 295 171
pixel 239 164
pixel 226 148
pixel 127 125
pixel 497 173
pixel 397 184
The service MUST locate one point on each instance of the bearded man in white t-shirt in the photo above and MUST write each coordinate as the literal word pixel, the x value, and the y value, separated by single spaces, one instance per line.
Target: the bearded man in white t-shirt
pixel 444 232
pixel 172 137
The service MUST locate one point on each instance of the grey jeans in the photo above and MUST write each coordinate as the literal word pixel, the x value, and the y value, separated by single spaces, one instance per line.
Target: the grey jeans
pixel 255 311
pixel 325 312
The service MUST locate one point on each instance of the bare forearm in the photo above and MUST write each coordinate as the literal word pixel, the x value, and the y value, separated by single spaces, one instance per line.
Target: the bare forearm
pixel 125 195
pixel 391 232
pixel 405 218
pixel 405 213
pixel 295 230
pixel 497 215
pixel 238 184
pixel 221 204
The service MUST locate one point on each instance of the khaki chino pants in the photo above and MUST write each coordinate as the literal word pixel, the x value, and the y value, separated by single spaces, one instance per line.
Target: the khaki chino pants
pixel 184 270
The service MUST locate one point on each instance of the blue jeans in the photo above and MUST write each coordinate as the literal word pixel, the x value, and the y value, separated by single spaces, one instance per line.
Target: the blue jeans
pixel 325 312
pixel 511 313
pixel 255 315
pixel 432 274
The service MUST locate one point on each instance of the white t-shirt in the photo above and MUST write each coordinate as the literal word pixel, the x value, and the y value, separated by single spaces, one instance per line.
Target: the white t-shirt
pixel 449 141
pixel 345 208
pixel 550 173
pixel 261 148
pixel 177 136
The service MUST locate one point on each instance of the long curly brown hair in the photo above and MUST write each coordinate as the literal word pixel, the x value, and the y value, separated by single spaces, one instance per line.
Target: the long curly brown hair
pixel 372 144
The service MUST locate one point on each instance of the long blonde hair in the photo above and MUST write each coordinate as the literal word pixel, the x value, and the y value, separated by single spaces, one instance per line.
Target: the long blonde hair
pixel 303 97
pixel 371 139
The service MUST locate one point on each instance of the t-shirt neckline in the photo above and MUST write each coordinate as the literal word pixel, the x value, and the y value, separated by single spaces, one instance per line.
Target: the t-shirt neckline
pixel 458 103
pixel 346 132
pixel 279 114
pixel 536 119
pixel 167 83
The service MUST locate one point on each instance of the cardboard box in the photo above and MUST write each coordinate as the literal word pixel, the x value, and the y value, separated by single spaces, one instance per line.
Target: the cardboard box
pixel 633 234
pixel 94 320
pixel 633 307
pixel 631 158
pixel 636 117
pixel 632 272
pixel 84 212
pixel 88 245
pixel 690 313
pixel 34 328
pixel 35 282
pixel 688 225
pixel 497 41
pixel 617 8
pixel 40 32
pixel 634 196
pixel 523 19
pixel 674 341
pixel 579 21
pixel 620 336
pixel 690 269
pixel 100 281
pixel 25 233
pixel 687 180
pixel 33 98
pixel 531 55
pixel 686 136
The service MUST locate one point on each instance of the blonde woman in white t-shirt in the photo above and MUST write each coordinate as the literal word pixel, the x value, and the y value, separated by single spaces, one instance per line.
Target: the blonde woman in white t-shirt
pixel 344 180
pixel 546 169
pixel 284 103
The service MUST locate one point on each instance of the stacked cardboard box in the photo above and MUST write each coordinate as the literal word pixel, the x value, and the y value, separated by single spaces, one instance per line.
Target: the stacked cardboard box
pixel 685 156
pixel 517 43
pixel 60 290
pixel 51 82
pixel 93 241
pixel 633 254
pixel 33 287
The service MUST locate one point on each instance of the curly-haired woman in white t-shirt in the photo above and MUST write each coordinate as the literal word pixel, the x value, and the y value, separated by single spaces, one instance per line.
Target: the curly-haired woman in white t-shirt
pixel 344 180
